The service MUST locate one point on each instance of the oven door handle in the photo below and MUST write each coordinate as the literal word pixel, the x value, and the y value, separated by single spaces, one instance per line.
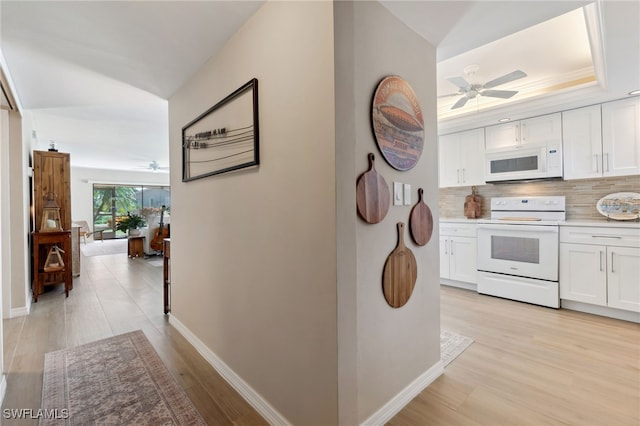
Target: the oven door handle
pixel 518 228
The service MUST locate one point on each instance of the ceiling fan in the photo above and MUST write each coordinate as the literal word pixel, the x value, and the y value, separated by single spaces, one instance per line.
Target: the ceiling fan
pixel 471 90
pixel 154 166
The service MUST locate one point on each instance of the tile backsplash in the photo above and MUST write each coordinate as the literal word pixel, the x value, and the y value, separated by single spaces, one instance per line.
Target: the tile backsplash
pixel 581 195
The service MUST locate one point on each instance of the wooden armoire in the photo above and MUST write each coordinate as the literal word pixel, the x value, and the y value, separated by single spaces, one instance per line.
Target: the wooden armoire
pixel 51 174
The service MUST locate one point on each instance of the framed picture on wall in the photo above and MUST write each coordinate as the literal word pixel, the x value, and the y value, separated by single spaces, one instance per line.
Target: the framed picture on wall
pixel 397 122
pixel 223 138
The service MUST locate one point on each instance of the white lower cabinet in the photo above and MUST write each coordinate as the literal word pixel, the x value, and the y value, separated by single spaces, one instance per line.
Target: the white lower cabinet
pixel 600 266
pixel 582 274
pixel 623 278
pixel 458 252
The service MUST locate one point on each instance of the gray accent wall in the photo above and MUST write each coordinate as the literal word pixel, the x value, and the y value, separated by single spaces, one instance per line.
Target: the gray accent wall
pixel 254 251
pixel 272 270
pixel 381 350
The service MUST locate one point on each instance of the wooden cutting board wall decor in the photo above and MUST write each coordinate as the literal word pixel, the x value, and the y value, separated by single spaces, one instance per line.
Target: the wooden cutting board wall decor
pixel 473 205
pixel 397 123
pixel 421 221
pixel 372 194
pixel 400 273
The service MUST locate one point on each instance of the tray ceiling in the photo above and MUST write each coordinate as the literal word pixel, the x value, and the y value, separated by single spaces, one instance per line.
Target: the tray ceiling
pixel 96 76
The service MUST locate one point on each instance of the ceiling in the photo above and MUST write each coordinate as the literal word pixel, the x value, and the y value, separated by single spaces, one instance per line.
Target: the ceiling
pixel 95 76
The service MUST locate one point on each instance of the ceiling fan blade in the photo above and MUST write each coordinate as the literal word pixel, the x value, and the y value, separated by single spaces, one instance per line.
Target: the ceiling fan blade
pixel 463 100
pixel 504 94
pixel 449 95
pixel 515 75
pixel 459 82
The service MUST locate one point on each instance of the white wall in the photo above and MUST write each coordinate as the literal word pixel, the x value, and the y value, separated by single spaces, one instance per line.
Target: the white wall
pixel 82 180
pixel 381 350
pixel 254 252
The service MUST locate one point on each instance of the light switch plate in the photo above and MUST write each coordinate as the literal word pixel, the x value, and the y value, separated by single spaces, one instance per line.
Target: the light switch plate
pixel 407 194
pixel 398 193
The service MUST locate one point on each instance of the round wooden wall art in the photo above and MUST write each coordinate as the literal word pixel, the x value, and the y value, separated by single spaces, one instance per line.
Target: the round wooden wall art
pixel 397 123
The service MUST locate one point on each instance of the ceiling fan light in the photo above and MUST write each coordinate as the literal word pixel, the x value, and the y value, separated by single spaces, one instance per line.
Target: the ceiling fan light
pixel 634 92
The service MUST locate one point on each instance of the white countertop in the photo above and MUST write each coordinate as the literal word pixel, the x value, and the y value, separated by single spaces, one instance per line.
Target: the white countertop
pixel 603 223
pixel 571 222
pixel 458 220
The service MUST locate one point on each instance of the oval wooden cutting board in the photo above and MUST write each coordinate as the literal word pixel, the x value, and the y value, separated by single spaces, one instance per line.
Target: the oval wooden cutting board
pixel 400 273
pixel 372 194
pixel 421 221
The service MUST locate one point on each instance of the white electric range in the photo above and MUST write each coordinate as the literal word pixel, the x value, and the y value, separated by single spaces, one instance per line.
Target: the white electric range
pixel 518 249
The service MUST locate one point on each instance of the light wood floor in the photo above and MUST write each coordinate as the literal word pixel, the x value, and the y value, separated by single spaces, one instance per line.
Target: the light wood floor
pixel 112 295
pixel 528 365
pixel 531 365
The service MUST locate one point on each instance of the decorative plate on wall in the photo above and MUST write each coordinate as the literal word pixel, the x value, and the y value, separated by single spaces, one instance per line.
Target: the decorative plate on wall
pixel 397 123
pixel 620 206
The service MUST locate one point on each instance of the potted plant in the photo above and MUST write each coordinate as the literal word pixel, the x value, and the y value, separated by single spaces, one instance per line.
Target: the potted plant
pixel 130 224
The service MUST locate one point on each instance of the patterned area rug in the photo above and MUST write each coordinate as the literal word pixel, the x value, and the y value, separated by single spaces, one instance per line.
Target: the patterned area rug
pixel 116 381
pixel 100 248
pixel 452 345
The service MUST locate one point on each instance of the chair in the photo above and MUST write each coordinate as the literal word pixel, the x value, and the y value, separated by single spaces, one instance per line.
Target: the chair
pixel 85 230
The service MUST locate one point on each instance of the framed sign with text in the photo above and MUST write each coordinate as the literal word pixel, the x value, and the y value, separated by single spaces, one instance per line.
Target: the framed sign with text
pixel 223 138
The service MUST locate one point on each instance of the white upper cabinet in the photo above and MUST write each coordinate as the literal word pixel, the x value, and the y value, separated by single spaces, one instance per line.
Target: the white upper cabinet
pixel 621 137
pixel 582 143
pixel 461 161
pixel 502 136
pixel 532 131
pixel 602 140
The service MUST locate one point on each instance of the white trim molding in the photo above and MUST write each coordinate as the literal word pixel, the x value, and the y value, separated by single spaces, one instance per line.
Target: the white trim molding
pixel 20 312
pixel 270 414
pixel 603 311
pixel 3 388
pixel 398 402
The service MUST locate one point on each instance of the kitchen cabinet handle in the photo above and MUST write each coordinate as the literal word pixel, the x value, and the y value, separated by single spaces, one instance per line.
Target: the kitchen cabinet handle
pixel 458 175
pixel 523 132
pixel 601 253
pixel 446 243
pixel 464 179
pixel 606 162
pixel 607 236
pixel 515 132
pixel 612 271
pixel 451 248
pixel 595 158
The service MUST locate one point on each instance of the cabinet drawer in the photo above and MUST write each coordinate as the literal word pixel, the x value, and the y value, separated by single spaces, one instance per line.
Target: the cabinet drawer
pixel 458 229
pixel 623 237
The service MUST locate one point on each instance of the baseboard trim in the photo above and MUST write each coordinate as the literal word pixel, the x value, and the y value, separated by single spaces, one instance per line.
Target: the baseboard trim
pixel 20 312
pixel 459 284
pixel 398 402
pixel 603 311
pixel 270 414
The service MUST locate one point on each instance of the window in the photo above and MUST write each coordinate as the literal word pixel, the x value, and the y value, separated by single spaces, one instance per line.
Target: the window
pixel 111 202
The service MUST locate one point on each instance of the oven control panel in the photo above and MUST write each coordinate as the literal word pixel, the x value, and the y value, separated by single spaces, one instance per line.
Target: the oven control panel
pixel 551 203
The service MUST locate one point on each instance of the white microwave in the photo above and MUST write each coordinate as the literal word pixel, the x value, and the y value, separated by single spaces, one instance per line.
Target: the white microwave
pixel 524 163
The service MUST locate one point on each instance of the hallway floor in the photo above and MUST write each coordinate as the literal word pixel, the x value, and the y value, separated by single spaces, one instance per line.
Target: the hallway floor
pixel 112 295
